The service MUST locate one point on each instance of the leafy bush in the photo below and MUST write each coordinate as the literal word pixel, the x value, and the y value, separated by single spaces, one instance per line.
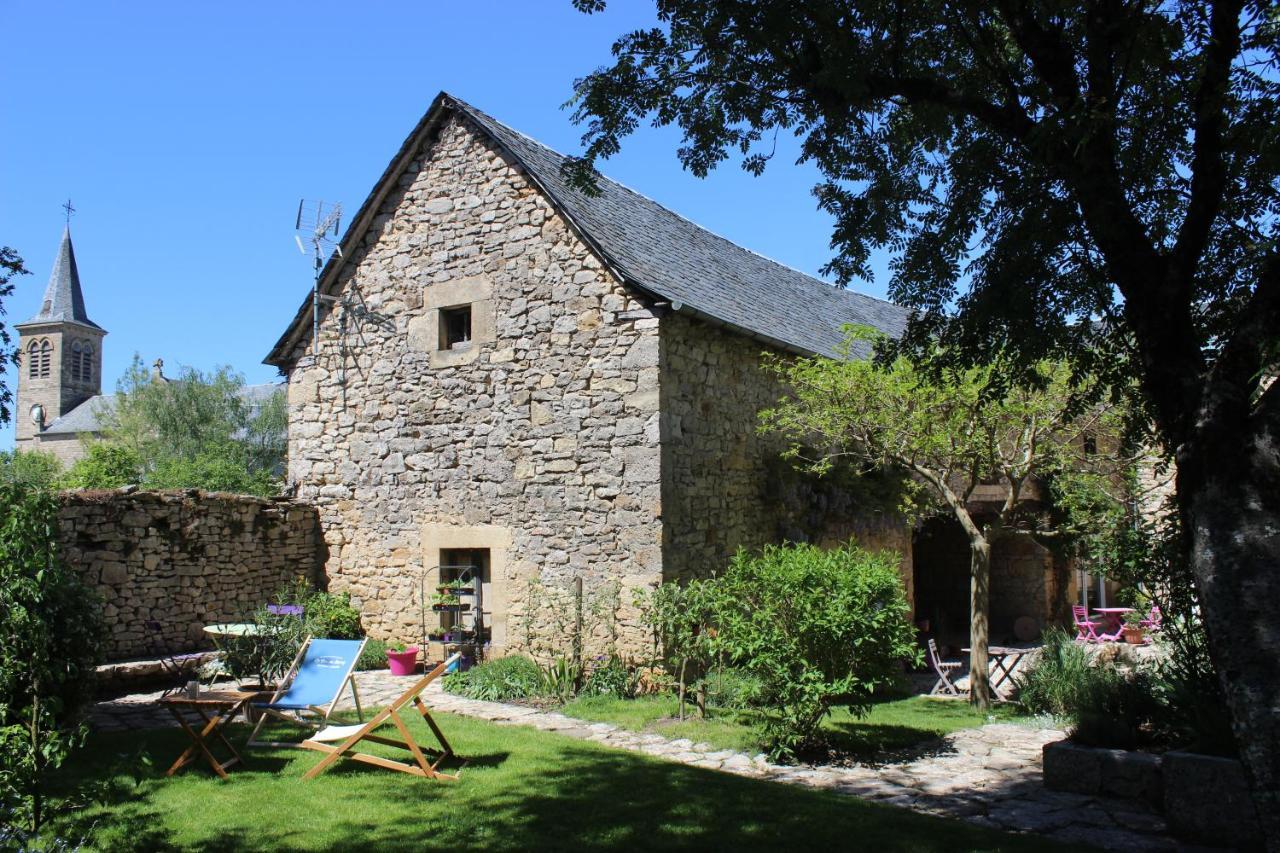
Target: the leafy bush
pixel 612 677
pixel 818 628
pixel 29 469
pixel 268 653
pixel 50 630
pixel 1114 709
pixel 374 656
pixel 1052 683
pixel 510 677
pixel 331 615
pixel 104 466
pixel 681 617
pixel 735 689
pixel 1106 706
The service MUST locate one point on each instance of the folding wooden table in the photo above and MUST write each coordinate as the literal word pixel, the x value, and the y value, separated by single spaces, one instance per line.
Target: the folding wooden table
pixel 224 706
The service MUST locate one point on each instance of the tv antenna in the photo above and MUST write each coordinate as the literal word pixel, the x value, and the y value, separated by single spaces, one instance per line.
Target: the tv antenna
pixel 319 222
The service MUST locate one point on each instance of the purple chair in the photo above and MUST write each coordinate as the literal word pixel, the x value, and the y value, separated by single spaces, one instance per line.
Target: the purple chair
pixel 285 609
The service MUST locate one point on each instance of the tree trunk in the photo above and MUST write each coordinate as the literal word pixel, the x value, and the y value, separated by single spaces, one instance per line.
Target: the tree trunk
pixel 1230 503
pixel 979 596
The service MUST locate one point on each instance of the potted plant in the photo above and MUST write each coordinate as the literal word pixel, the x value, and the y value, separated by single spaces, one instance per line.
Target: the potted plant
pixel 1134 633
pixel 447 601
pixel 402 660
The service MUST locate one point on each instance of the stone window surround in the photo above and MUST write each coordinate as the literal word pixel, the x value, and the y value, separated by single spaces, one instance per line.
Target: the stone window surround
pixel 438 538
pixel 424 330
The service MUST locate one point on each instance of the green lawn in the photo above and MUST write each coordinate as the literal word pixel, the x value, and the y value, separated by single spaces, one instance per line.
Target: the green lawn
pixel 523 790
pixel 894 725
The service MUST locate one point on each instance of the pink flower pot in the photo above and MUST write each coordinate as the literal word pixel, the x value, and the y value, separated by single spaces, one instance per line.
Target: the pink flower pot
pixel 403 663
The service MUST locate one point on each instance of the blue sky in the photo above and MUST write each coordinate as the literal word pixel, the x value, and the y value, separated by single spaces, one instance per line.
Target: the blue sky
pixel 185 135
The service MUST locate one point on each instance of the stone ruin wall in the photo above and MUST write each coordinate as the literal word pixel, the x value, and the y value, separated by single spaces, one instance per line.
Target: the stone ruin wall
pixel 539 442
pixel 183 559
pixel 725 486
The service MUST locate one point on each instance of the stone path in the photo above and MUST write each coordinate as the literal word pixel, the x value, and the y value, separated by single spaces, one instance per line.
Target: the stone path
pixel 988 776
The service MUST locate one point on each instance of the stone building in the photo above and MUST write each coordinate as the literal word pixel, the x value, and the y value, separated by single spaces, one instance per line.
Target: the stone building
pixel 550 385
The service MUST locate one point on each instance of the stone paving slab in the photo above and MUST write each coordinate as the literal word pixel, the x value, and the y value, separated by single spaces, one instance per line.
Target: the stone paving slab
pixel 989 776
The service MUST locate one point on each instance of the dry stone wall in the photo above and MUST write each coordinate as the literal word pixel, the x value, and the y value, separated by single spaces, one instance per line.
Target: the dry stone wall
pixel 538 442
pixel 183 559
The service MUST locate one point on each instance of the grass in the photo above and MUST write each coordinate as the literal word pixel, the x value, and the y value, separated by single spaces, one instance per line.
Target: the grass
pixel 892 726
pixel 523 790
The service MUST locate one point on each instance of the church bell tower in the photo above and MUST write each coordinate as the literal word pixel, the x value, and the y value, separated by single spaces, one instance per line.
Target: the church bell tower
pixel 60 352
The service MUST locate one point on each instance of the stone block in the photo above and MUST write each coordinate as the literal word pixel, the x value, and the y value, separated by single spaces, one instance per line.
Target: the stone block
pixel 1206 799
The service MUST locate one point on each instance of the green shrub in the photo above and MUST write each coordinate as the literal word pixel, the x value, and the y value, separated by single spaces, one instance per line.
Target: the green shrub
pixel 332 616
pixel 1053 681
pixel 104 466
pixel 735 689
pixel 1114 709
pixel 374 656
pixel 50 634
pixel 612 677
pixel 510 677
pixel 818 628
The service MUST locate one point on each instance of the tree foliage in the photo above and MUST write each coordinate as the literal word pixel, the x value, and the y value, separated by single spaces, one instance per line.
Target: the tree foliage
pixel 10 267
pixel 50 634
pixel 195 431
pixel 953 433
pixel 1097 183
pixel 29 469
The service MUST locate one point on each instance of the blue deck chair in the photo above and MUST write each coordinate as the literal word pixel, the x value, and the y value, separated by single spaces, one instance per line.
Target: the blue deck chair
pixel 310 690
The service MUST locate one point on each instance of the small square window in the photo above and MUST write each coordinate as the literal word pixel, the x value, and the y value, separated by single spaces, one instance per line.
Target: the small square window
pixel 455 328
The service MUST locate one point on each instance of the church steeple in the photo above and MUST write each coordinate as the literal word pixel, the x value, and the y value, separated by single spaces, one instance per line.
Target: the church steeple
pixel 63 299
pixel 61 353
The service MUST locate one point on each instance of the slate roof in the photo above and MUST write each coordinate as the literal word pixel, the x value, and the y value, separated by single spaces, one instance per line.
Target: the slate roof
pixel 63 300
pixel 87 417
pixel 659 252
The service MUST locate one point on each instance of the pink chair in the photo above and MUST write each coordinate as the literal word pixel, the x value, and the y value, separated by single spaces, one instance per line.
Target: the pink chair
pixel 1152 622
pixel 1086 630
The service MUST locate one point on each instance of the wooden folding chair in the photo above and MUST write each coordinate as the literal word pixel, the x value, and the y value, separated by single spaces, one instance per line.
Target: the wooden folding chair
pixel 312 687
pixel 944 670
pixel 350 736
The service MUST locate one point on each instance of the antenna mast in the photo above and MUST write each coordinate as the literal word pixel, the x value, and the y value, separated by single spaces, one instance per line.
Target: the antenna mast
pixel 319 222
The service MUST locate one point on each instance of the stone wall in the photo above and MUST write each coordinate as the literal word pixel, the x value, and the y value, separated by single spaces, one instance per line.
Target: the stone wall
pixel 538 442
pixel 183 559
pixel 724 485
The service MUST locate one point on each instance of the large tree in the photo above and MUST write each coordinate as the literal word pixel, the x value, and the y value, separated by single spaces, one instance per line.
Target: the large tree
pixel 1097 181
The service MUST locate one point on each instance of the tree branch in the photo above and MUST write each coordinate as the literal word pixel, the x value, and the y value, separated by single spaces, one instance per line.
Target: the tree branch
pixel 1208 166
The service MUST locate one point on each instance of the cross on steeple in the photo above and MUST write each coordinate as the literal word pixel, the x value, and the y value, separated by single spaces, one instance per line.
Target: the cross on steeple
pixel 69 209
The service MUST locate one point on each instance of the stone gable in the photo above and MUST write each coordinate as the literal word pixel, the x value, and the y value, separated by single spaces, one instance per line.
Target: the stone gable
pixel 540 440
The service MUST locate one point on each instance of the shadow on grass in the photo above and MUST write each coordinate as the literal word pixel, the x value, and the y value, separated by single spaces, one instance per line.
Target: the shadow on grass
pixel 521 790
pixel 879 744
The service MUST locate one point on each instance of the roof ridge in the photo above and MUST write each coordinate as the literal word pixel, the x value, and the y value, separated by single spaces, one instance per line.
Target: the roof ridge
pixel 826 284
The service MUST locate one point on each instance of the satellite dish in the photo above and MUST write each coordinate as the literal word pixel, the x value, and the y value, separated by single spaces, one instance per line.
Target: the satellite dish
pixel 37 415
